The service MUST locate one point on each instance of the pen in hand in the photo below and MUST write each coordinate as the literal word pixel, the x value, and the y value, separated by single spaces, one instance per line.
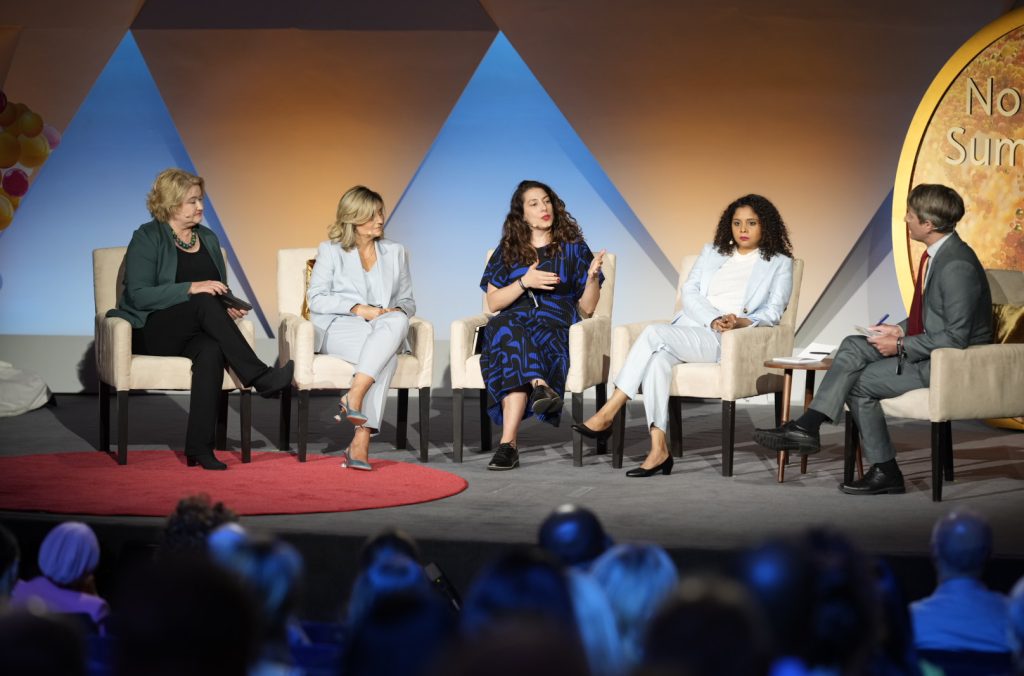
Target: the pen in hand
pixel 880 321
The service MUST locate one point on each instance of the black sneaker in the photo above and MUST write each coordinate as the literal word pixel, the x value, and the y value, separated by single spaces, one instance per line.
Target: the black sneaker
pixel 506 457
pixel 543 400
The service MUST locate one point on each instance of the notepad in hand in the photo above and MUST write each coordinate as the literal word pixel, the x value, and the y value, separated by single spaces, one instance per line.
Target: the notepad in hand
pixel 863 330
pixel 232 301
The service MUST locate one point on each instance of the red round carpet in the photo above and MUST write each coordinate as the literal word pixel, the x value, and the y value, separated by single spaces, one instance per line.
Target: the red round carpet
pixel 153 481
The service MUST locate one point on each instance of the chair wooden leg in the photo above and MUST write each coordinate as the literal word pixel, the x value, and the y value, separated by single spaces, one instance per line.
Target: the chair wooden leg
pixel 104 396
pixel 303 423
pixel 618 437
pixel 245 413
pixel 284 422
pixel 221 440
pixel 778 409
pixel 728 435
pixel 402 424
pixel 485 423
pixel 577 438
pixel 675 425
pixel 122 427
pixel 424 400
pixel 601 398
pixel 457 394
pixel 850 442
pixel 937 462
pixel 946 432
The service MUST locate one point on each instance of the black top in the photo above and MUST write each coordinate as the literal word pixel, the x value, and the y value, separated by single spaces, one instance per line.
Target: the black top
pixel 195 267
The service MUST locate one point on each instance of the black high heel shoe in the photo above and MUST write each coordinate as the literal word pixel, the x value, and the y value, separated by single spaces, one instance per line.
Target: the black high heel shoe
pixel 592 434
pixel 665 468
pixel 207 461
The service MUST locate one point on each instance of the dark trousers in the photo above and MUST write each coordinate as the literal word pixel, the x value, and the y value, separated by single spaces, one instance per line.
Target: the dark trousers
pixel 201 330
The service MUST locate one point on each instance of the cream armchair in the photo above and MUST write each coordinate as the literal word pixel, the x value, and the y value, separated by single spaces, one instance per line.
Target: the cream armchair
pixel 740 373
pixel 327 372
pixel 588 365
pixel 982 381
pixel 123 371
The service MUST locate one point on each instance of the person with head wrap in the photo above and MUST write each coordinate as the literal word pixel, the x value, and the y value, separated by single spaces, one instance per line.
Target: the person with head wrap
pixel 573 535
pixel 68 557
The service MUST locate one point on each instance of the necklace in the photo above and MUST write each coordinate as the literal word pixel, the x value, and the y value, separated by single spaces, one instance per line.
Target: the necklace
pixel 180 243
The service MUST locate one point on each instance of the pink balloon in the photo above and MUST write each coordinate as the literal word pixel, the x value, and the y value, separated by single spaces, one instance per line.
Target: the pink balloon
pixel 52 136
pixel 15 182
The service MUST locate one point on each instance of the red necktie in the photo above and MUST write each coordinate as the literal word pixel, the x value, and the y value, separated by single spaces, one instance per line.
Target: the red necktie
pixel 915 323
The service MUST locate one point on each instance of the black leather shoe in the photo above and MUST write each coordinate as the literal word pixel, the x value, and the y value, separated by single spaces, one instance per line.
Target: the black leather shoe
pixel 273 380
pixel 592 434
pixel 506 457
pixel 876 482
pixel 789 437
pixel 543 400
pixel 665 468
pixel 206 461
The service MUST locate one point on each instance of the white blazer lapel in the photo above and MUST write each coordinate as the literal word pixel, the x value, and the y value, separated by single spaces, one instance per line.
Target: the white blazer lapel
pixel 759 277
pixel 352 271
pixel 385 256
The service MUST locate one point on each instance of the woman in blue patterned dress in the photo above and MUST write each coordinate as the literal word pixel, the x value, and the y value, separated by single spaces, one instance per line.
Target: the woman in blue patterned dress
pixel 540 279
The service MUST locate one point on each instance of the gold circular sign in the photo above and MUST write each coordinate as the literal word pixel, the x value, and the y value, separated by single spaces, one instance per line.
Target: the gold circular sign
pixel 968 133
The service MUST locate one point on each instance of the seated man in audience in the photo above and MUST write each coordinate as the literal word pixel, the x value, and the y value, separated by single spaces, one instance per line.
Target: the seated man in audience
pixel 962 614
pixel 573 535
pixel 1016 629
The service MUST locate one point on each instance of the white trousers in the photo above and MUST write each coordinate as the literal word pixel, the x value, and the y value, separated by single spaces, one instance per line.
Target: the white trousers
pixel 648 366
pixel 373 348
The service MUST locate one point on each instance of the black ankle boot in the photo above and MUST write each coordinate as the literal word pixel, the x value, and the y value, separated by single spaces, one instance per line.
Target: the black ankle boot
pixel 274 380
pixel 206 461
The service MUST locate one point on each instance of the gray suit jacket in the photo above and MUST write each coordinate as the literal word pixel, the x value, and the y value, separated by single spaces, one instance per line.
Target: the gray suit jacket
pixel 957 305
pixel 337 284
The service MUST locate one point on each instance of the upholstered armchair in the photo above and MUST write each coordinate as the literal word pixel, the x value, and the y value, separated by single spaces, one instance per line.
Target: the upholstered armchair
pixel 589 358
pixel 326 372
pixel 982 381
pixel 122 371
pixel 739 374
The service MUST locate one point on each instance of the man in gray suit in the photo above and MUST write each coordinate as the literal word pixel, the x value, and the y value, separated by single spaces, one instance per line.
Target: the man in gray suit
pixel 952 308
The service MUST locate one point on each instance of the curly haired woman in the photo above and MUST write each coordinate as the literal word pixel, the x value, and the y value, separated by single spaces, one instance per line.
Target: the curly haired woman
pixel 742 279
pixel 540 279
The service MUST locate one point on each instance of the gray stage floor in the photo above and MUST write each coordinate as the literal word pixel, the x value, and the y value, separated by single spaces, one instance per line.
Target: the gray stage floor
pixel 694 508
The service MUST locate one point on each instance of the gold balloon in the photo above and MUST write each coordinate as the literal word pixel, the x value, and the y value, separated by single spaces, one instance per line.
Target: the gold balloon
pixel 29 124
pixel 6 212
pixel 9 114
pixel 34 150
pixel 15 201
pixel 9 150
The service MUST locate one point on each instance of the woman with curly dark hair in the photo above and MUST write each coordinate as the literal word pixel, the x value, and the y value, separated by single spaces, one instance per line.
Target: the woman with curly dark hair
pixel 539 280
pixel 742 279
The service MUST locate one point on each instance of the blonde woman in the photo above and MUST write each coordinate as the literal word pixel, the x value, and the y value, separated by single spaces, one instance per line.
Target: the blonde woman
pixel 174 273
pixel 360 301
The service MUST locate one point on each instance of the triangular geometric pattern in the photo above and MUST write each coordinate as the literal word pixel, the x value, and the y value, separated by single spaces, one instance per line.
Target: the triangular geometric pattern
pixel 505 128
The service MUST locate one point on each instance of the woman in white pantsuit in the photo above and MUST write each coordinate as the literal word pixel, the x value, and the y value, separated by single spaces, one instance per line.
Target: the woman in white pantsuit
pixel 742 279
pixel 360 301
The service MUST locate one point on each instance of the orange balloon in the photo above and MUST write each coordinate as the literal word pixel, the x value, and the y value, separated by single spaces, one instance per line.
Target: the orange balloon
pixel 29 124
pixel 34 150
pixel 6 212
pixel 9 114
pixel 15 201
pixel 9 150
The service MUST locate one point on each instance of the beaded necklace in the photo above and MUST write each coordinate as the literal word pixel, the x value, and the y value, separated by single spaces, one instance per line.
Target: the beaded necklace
pixel 182 244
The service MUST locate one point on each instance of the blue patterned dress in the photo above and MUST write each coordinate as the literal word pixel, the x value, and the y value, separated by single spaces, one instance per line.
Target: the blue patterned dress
pixel 525 341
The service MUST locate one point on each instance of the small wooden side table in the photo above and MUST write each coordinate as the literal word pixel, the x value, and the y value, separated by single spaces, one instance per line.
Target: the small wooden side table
pixel 787 389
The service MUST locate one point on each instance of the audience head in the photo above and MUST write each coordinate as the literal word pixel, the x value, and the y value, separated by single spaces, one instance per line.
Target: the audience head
pixel 185 616
pixel 69 554
pixel 937 203
pixel 573 535
pixel 513 646
pixel 389 574
pixel 895 652
pixel 10 559
pixel 707 626
pixel 524 583
pixel 388 540
pixel 515 233
pixel 359 205
pixel 961 544
pixel 224 542
pixel 1016 624
pixel 191 523
pixel 169 191
pixel 42 645
pixel 636 579
pixel 596 621
pixel 774 235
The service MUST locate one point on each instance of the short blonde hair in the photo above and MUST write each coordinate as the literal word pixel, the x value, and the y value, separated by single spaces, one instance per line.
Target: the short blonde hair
pixel 168 192
pixel 357 206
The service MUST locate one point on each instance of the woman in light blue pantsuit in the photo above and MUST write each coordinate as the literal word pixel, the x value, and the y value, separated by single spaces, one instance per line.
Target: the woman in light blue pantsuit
pixel 360 301
pixel 743 279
